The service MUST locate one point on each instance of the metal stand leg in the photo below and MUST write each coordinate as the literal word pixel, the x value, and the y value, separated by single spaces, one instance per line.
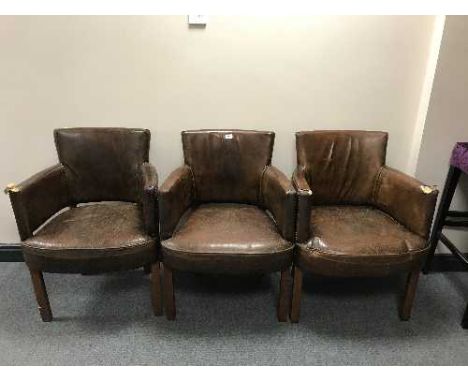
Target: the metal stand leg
pixel 465 319
pixel 449 189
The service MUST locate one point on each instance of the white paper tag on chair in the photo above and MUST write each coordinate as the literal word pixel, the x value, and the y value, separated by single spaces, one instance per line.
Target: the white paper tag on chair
pixel 228 136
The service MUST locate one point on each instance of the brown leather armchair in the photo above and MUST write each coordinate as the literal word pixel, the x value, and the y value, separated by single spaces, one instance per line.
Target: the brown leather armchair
pixel 356 216
pixel 227 210
pixel 94 212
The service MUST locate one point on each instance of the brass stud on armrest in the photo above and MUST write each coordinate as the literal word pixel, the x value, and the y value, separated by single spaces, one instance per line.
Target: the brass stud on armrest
pixel 428 189
pixel 11 187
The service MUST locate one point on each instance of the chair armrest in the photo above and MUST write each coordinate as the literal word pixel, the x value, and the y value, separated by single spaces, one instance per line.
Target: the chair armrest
pixel 304 205
pixel 175 197
pixel 279 197
pixel 149 202
pixel 38 198
pixel 406 199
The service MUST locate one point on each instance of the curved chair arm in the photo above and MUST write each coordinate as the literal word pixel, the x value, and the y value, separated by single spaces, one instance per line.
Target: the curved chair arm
pixel 149 202
pixel 279 197
pixel 304 205
pixel 175 197
pixel 38 198
pixel 406 199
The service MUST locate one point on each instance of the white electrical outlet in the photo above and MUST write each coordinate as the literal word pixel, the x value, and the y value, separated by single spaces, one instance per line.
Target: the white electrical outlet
pixel 197 19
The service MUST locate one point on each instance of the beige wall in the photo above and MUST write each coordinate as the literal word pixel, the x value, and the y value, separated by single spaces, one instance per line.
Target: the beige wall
pixel 283 74
pixel 447 118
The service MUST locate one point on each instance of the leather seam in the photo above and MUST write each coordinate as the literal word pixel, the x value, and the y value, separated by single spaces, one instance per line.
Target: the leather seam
pixel 123 247
pixel 359 263
pixel 194 186
pixel 188 253
pixel 319 251
pixel 377 184
pixel 260 196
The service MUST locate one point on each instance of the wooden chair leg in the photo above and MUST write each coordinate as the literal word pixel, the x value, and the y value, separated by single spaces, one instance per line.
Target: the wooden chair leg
pixel 465 319
pixel 296 296
pixel 41 295
pixel 284 296
pixel 168 291
pixel 156 289
pixel 147 269
pixel 407 303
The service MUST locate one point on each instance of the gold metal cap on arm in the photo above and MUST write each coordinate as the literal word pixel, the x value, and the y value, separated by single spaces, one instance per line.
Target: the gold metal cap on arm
pixel 11 187
pixel 428 189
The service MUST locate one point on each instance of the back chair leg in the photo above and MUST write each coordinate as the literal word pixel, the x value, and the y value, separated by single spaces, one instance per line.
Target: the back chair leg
pixel 296 296
pixel 465 319
pixel 41 295
pixel 156 289
pixel 168 290
pixel 284 296
pixel 407 303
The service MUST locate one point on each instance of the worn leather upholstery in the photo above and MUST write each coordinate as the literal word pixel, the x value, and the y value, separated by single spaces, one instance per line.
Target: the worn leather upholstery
pixel 227 238
pixel 357 217
pixel 97 165
pixel 227 165
pixel 358 241
pixel 175 197
pixel 304 204
pixel 93 238
pixel 341 166
pixel 103 163
pixel 227 210
pixel 402 197
pixel 149 205
pixel 38 198
pixel 278 196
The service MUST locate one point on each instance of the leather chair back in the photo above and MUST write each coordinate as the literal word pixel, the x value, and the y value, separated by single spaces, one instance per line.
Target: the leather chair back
pixel 227 165
pixel 103 163
pixel 341 166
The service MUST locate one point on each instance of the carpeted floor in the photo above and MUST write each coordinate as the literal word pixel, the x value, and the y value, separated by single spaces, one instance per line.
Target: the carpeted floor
pixel 107 320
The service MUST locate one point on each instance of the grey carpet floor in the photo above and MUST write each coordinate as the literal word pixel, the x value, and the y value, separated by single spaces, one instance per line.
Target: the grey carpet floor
pixel 107 320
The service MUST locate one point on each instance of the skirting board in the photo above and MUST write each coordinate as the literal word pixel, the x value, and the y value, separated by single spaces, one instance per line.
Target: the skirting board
pixel 11 253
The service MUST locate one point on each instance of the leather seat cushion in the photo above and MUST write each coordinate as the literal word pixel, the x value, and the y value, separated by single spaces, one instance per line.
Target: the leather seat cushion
pixel 358 241
pixel 91 238
pixel 227 238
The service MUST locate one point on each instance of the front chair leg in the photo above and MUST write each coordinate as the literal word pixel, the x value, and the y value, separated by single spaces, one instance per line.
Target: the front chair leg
pixel 296 298
pixel 41 295
pixel 169 300
pixel 156 289
pixel 284 293
pixel 407 303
